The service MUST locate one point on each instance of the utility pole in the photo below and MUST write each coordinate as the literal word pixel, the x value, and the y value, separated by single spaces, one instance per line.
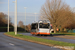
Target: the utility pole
pixel 8 15
pixel 15 17
pixel 15 26
pixel 25 17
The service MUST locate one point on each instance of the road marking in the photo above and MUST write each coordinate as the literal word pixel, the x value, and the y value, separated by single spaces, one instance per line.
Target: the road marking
pixel 11 44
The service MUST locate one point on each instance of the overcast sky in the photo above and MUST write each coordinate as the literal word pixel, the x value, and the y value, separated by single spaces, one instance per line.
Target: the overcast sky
pixel 33 6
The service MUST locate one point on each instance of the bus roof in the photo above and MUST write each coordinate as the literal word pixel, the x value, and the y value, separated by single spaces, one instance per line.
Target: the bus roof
pixel 42 21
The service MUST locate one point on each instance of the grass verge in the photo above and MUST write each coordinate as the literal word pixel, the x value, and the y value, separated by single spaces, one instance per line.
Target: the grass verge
pixel 40 40
pixel 70 34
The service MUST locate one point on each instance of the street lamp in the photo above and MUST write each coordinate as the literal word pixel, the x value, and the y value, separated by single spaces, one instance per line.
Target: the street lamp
pixel 25 16
pixel 35 16
pixel 15 17
pixel 8 15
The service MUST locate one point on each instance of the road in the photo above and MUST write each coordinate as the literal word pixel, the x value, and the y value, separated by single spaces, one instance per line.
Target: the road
pixel 52 38
pixel 8 43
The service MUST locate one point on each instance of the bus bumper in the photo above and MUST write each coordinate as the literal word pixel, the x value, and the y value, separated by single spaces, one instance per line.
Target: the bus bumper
pixel 42 33
pixel 39 33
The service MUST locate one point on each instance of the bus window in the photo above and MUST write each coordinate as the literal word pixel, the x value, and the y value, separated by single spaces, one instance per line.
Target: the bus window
pixel 34 26
pixel 43 25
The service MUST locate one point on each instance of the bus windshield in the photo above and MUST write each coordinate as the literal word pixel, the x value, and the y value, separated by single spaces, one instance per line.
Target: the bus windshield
pixel 34 26
pixel 44 25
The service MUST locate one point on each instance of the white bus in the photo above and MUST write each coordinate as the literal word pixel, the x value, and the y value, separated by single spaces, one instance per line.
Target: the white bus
pixel 41 27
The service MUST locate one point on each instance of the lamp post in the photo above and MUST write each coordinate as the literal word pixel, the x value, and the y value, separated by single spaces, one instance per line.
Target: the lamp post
pixel 8 15
pixel 25 16
pixel 15 17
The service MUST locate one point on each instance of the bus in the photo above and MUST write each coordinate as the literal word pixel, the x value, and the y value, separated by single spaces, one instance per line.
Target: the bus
pixel 41 27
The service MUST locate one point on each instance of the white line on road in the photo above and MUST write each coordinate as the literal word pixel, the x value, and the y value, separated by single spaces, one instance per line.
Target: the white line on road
pixel 11 44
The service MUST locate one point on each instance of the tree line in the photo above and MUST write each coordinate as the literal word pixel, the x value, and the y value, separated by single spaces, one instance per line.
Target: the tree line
pixel 26 27
pixel 4 20
pixel 4 24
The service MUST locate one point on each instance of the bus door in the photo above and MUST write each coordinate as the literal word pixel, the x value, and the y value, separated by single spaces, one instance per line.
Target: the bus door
pixel 34 27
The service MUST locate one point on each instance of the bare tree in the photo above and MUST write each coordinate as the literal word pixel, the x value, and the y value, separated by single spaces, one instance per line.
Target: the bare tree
pixel 20 24
pixel 57 12
pixel 28 27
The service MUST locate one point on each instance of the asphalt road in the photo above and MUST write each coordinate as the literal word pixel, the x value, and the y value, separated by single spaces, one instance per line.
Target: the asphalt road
pixel 8 43
pixel 52 38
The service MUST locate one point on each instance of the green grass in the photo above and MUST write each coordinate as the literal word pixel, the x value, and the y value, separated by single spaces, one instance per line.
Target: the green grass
pixel 23 32
pixel 56 43
pixel 72 34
